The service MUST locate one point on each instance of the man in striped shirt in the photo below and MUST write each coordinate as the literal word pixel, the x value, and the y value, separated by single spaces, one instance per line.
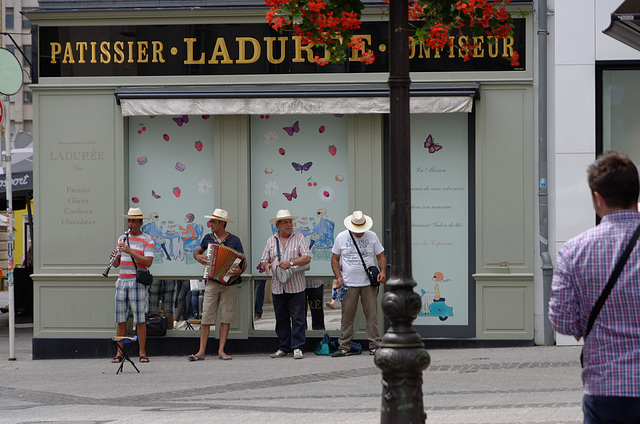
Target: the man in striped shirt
pixel 611 354
pixel 285 249
pixel 131 295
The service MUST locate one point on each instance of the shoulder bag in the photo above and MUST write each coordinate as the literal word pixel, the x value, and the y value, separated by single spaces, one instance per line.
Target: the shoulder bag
pixel 372 271
pixel 143 276
pixel 612 281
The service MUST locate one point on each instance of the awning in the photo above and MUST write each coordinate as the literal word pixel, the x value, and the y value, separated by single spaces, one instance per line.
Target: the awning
pixel 625 24
pixel 290 99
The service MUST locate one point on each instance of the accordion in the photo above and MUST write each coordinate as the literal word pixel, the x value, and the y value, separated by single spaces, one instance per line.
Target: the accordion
pixel 220 260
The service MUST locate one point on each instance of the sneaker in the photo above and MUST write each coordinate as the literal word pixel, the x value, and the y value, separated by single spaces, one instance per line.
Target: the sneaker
pixel 297 354
pixel 373 351
pixel 340 352
pixel 280 354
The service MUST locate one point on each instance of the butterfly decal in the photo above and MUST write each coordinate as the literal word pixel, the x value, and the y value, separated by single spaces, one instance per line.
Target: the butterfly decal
pixel 429 144
pixel 155 196
pixel 293 195
pixel 184 119
pixel 292 129
pixel 301 168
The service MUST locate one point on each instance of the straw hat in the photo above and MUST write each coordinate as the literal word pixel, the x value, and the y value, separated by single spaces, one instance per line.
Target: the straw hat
pixel 282 214
pixel 134 213
pixel 220 214
pixel 358 222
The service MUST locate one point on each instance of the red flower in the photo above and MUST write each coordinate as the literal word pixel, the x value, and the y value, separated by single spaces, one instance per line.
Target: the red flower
pixel 330 23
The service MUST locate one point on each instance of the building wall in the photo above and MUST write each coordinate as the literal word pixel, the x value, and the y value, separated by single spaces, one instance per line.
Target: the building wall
pixel 578 43
pixel 68 263
pixel 21 104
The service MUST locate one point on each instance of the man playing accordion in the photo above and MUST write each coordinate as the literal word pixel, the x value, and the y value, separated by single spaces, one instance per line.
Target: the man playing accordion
pixel 218 295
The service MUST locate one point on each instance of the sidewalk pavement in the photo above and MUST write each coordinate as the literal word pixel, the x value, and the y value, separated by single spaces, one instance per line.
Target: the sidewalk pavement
pixel 486 385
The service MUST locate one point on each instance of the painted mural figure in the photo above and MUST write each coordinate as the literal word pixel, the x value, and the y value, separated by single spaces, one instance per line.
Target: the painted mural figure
pixel 191 235
pixel 321 235
pixel 155 231
pixel 435 307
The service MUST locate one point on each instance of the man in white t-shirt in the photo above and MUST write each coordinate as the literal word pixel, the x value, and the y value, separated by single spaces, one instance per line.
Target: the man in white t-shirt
pixel 354 276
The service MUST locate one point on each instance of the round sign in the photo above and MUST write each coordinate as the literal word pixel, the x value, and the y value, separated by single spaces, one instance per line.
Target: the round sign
pixel 10 73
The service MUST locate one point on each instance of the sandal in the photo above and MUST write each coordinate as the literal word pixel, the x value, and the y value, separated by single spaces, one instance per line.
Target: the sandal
pixel 116 359
pixel 144 359
pixel 194 357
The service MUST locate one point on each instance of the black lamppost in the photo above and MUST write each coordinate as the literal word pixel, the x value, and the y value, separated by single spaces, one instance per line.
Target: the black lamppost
pixel 402 356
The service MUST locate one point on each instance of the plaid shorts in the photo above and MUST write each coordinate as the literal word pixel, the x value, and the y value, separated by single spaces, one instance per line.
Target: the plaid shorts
pixel 162 290
pixel 130 295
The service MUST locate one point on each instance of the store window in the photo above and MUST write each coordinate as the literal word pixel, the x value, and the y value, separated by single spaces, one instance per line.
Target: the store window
pixel 620 126
pixel 9 17
pixel 442 222
pixel 300 163
pixel 172 180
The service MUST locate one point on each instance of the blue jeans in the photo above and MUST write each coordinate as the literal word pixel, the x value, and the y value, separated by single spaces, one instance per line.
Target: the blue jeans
pixel 182 288
pixel 192 303
pixel 290 320
pixel 610 409
pixel 259 297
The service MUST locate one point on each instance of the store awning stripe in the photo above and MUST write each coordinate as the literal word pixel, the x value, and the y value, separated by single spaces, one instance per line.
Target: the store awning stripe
pixel 286 106
pixel 288 99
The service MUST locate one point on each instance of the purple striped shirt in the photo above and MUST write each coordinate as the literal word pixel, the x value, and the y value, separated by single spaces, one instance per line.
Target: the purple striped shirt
pixel 296 246
pixel 612 349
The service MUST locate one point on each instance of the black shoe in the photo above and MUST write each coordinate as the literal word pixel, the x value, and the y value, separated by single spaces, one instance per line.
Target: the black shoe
pixel 340 352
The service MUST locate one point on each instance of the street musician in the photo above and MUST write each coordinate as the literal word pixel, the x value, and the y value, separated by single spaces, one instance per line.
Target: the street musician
pixel 218 295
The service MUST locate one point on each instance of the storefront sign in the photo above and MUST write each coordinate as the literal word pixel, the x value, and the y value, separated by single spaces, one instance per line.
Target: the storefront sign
pixel 234 49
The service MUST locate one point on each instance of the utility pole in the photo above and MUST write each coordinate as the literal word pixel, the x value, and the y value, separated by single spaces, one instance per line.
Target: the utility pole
pixel 10 235
pixel 402 356
pixel 10 84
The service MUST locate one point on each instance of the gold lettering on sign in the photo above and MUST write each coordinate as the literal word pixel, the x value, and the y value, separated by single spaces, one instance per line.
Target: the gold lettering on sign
pixel 190 60
pixel 118 57
pixel 68 54
pixel 242 50
pixel 250 50
pixel 105 57
pixel 130 45
pixel 56 49
pixel 81 47
pixel 143 57
pixel 299 48
pixel 157 47
pixel 355 54
pixel 220 49
pixel 507 49
pixel 478 51
pixel 93 52
pixel 269 41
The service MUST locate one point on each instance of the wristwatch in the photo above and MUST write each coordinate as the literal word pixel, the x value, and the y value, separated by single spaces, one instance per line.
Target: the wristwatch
pixel 291 263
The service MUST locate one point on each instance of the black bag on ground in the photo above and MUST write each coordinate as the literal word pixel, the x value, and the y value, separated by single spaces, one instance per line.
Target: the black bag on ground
pixel 156 324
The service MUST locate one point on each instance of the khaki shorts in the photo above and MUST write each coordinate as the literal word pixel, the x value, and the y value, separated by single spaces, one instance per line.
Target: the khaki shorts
pixel 217 296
